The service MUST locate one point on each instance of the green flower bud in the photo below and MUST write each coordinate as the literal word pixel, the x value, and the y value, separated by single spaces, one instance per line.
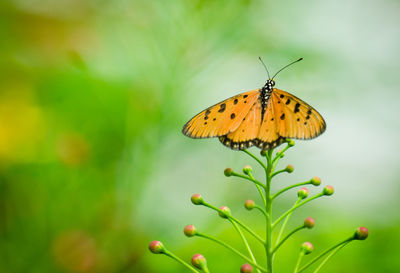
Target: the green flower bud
pixel 246 268
pixel 199 261
pixel 156 247
pixel 289 168
pixel 361 233
pixel 249 204
pixel 280 153
pixel 197 199
pixel 307 248
pixel 302 193
pixel 225 212
pixel 328 190
pixel 228 172
pixel 247 169
pixel 290 142
pixel 189 231
pixel 316 181
pixel 309 222
pixel 263 153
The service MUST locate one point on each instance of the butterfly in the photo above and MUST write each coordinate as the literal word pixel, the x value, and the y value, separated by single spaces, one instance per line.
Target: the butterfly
pixel 263 117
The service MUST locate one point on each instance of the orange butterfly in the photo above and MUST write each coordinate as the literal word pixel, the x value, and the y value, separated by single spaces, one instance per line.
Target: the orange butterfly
pixel 262 117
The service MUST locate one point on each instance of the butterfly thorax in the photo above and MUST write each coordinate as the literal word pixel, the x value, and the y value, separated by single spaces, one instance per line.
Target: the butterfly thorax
pixel 265 94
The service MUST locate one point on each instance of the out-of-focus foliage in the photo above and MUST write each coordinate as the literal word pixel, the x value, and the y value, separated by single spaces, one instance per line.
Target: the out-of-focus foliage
pixel 93 95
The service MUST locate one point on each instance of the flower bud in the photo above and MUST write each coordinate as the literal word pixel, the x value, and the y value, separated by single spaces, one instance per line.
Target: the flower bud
pixel 289 168
pixel 189 231
pixel 249 204
pixel 247 169
pixel 156 247
pixel 328 190
pixel 197 199
pixel 309 222
pixel 199 261
pixel 280 153
pixel 302 193
pixel 307 248
pixel 246 268
pixel 361 233
pixel 316 181
pixel 228 172
pixel 290 142
pixel 263 152
pixel 225 212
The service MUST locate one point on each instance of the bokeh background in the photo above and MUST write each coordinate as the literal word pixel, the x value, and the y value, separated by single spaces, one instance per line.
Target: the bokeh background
pixel 93 96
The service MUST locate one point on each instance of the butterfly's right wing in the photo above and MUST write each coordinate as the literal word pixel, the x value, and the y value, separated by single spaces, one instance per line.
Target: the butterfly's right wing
pixel 221 118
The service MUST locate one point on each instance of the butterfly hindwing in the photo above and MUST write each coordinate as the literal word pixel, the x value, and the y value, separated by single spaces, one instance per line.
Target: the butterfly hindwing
pixel 222 118
pixel 244 135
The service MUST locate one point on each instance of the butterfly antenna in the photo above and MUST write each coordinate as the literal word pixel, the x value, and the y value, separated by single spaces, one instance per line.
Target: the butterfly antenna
pixel 287 66
pixel 264 67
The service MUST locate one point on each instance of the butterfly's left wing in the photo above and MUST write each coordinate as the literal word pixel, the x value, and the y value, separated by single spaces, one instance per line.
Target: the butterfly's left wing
pixel 294 117
pixel 222 118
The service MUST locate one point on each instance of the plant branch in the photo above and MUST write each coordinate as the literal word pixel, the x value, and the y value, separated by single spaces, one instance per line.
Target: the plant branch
pixel 287 237
pixel 295 207
pixel 290 187
pixel 230 217
pixel 324 253
pixel 179 260
pixel 227 246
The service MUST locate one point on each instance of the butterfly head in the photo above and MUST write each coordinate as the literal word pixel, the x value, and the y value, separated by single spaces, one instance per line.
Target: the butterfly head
pixel 269 85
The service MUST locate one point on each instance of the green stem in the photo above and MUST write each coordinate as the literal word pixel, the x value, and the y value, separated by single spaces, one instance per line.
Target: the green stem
pixel 256 158
pixel 325 252
pixel 290 187
pixel 258 183
pixel 230 217
pixel 245 243
pixel 278 172
pixel 301 255
pixel 329 256
pixel 179 260
pixel 268 210
pixel 230 248
pixel 295 207
pixel 287 220
pixel 287 237
pixel 261 209
pixel 259 189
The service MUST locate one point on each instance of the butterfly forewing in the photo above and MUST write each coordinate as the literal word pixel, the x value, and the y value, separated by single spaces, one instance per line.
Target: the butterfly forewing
pixel 222 118
pixel 295 118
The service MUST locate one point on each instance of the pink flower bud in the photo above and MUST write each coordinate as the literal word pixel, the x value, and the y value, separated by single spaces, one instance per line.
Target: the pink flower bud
pixel 225 212
pixel 247 169
pixel 309 222
pixel 189 231
pixel 361 233
pixel 307 248
pixel 328 190
pixel 302 193
pixel 228 172
pixel 156 247
pixel 249 204
pixel 246 268
pixel 316 181
pixel 199 261
pixel 289 168
pixel 197 199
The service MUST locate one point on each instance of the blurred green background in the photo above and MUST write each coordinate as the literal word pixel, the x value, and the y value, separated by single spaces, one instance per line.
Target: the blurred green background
pixel 93 96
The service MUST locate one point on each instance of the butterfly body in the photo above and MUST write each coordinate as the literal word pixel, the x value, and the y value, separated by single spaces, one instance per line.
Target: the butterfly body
pixel 263 117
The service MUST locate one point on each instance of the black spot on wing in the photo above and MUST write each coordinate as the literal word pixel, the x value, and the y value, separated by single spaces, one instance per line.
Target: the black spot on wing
pixel 287 102
pixel 235 101
pixel 222 108
pixel 283 116
pixel 232 115
pixel 297 107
